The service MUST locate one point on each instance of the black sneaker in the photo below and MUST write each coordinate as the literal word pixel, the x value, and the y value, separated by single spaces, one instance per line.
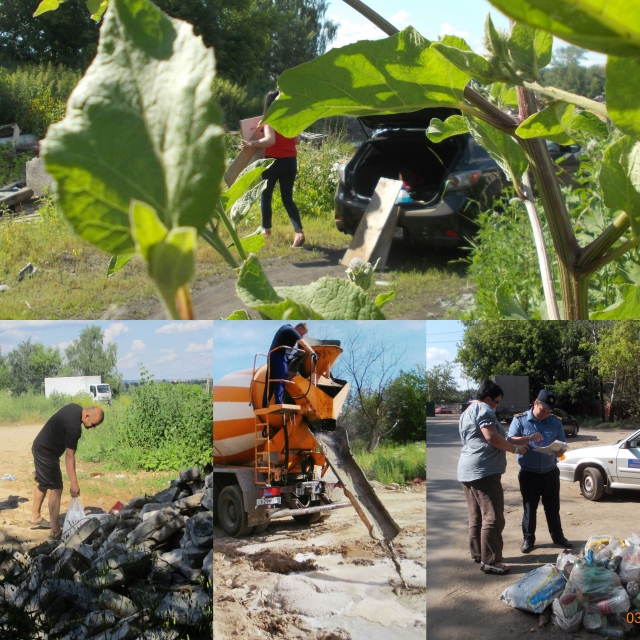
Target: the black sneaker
pixel 527 546
pixel 562 542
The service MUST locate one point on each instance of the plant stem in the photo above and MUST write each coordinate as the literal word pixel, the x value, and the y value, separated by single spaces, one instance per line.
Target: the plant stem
pixel 184 304
pixel 609 257
pixel 232 231
pixel 599 247
pixel 527 104
pixel 599 108
pixel 216 242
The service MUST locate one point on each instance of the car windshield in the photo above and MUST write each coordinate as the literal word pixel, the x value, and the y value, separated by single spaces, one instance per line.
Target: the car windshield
pixel 103 388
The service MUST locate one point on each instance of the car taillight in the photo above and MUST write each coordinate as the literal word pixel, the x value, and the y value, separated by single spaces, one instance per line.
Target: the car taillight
pixel 450 233
pixel 461 180
pixel 270 492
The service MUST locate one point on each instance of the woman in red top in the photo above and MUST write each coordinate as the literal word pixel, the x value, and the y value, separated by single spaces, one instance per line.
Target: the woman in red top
pixel 283 170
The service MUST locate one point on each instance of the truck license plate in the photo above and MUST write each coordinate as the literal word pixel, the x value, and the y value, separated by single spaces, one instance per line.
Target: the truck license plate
pixel 262 501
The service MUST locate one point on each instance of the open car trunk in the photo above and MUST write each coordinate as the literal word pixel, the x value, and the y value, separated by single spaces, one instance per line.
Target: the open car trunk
pixel 409 156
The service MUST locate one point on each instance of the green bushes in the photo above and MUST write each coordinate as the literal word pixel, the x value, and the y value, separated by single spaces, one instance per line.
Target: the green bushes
pixel 235 102
pixel 33 408
pixel 393 463
pixel 163 427
pixel 35 96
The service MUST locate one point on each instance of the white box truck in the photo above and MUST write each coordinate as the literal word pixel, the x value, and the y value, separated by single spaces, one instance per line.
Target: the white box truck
pixel 71 386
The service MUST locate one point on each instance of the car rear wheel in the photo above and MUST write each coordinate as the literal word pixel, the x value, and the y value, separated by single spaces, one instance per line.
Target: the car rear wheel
pixel 592 484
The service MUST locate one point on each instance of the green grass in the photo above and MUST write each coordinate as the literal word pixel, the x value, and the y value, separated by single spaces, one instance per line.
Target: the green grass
pixel 393 462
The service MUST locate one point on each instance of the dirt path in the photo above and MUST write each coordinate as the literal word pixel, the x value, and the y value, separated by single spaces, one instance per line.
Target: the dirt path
pixel 98 494
pixel 465 603
pixel 327 581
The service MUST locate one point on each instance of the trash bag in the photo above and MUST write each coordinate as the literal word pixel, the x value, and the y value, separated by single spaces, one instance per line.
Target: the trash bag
pixel 536 590
pixel 75 515
pixel 565 563
pixel 630 564
pixel 593 584
pixel 568 625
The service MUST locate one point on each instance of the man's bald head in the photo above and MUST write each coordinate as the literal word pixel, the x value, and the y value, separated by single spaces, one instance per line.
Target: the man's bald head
pixel 92 417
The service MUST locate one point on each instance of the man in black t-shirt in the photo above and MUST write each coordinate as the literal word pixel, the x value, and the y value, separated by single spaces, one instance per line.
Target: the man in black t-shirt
pixel 287 337
pixel 59 435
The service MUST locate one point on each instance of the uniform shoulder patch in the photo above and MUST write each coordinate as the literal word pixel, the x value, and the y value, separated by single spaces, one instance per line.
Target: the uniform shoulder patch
pixel 519 415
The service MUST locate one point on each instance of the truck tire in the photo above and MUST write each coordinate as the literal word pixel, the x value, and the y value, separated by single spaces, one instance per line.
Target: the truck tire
pixel 592 484
pixel 231 513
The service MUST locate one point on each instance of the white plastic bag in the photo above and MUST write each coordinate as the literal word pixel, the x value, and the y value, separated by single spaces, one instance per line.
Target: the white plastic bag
pixel 630 565
pixel 75 515
pixel 568 625
pixel 536 590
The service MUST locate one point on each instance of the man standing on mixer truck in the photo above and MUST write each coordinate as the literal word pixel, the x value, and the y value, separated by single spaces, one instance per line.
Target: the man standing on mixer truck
pixel 59 435
pixel 280 354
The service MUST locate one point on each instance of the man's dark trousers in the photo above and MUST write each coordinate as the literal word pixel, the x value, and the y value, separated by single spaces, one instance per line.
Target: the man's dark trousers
pixel 534 486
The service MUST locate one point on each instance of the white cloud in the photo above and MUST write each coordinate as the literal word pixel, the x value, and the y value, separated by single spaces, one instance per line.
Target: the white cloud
pixel 138 345
pixel 167 350
pixel 128 362
pixel 188 326
pixel 114 330
pixel 18 334
pixel 193 347
pixel 170 357
pixel 400 19
pixel 349 32
pixel 446 29
pixel 436 354
pixel 66 343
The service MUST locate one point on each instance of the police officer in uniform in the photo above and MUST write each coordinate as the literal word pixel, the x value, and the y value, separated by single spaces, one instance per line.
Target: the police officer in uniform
pixel 539 475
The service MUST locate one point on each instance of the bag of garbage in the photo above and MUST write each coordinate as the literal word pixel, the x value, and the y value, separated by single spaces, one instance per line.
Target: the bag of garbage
pixel 536 590
pixel 593 584
pixel 630 564
pixel 75 515
pixel 559 618
pixel 569 601
pixel 565 563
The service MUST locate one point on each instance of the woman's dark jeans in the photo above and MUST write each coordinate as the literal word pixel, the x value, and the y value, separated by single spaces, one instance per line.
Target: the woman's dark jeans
pixel 282 170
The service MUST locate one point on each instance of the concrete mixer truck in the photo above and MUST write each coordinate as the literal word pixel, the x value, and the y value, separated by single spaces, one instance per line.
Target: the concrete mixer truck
pixel 272 462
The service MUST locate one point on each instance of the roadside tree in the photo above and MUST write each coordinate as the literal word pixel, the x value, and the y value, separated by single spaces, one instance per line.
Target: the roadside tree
pixel 29 364
pixel 407 402
pixel 441 385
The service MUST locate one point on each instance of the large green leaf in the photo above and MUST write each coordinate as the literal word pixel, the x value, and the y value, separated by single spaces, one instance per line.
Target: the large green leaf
pixel 623 93
pixel 585 123
pixel 328 298
pixel 142 124
pixel 483 70
pixel 97 8
pixel 626 309
pixel 529 49
pixel 501 147
pixel 552 123
pixel 401 73
pixel 609 26
pixel 248 179
pixel 620 179
pixel 452 126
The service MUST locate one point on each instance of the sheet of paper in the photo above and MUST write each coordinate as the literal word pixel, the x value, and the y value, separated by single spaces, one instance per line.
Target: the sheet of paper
pixel 558 445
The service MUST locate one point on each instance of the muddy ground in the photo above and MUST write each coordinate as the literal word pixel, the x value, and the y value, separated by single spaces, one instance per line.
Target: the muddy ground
pixel 465 603
pixel 97 494
pixel 327 581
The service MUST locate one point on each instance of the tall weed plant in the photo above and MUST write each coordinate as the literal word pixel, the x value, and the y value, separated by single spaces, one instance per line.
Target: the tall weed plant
pixel 503 260
pixel 35 96
pixel 34 408
pixel 392 462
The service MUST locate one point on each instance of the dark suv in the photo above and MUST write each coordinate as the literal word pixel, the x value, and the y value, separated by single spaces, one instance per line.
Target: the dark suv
pixel 445 184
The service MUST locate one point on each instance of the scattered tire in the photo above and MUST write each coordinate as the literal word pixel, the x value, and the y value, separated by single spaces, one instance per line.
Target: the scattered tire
pixel 592 484
pixel 231 514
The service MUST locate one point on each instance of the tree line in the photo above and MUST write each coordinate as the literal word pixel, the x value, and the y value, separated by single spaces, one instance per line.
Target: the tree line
pixel 23 369
pixel 254 40
pixel 590 365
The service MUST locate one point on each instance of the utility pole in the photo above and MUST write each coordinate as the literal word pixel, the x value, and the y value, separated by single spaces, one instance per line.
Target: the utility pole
pixel 374 17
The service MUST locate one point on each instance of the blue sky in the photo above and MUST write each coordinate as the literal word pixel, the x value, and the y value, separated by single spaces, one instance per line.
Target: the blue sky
pixel 167 349
pixel 235 343
pixel 432 18
pixel 443 337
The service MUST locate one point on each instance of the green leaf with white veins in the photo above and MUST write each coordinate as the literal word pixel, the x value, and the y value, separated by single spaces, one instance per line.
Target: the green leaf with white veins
pixel 452 126
pixel 141 124
pixel 242 205
pixel 620 179
pixel 398 74
pixel 552 123
pixel 608 26
pixel 623 93
pixel 501 147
